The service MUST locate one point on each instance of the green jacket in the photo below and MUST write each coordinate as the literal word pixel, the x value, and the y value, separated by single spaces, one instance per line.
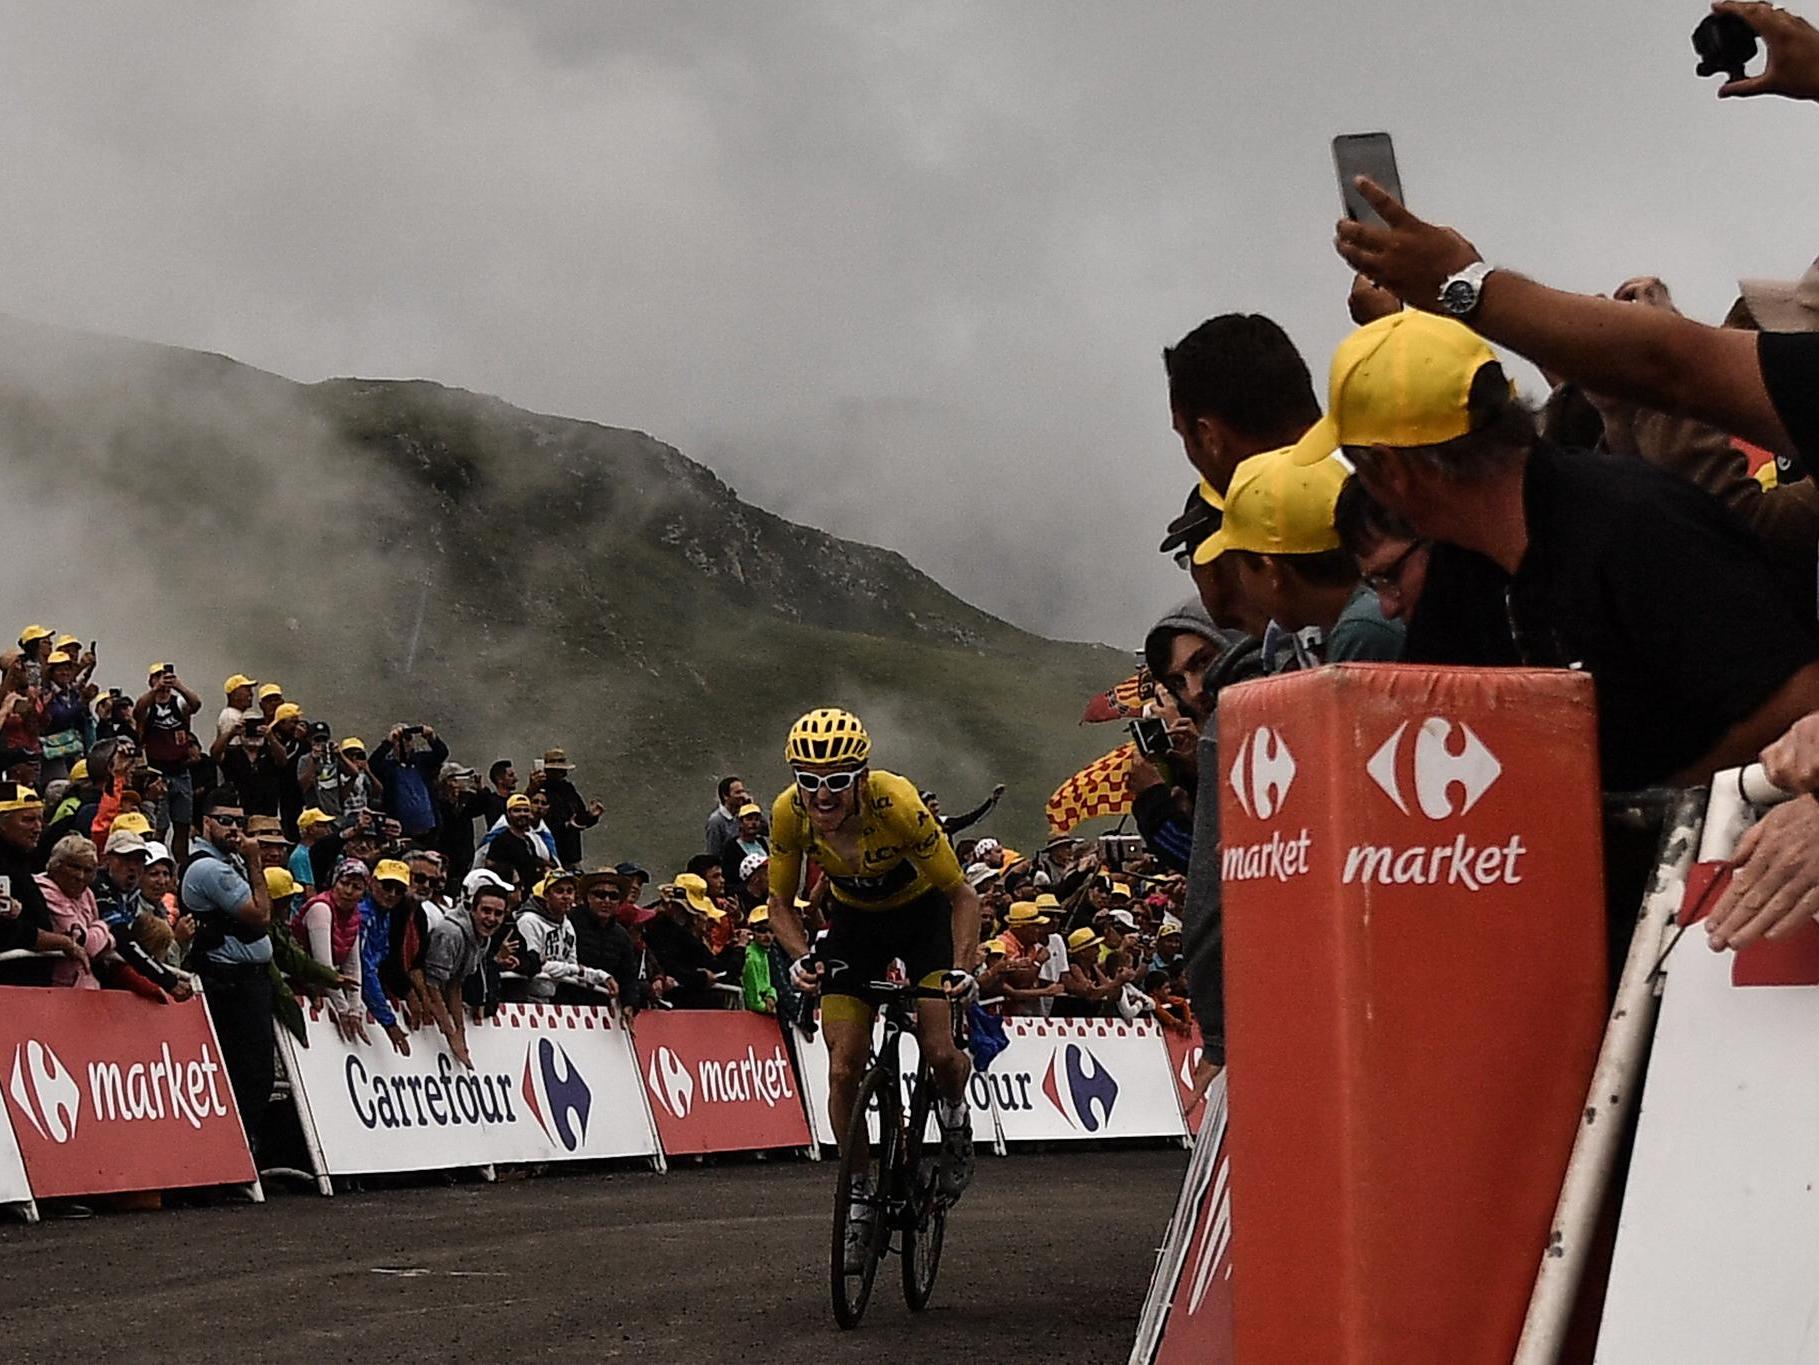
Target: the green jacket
pixel 760 995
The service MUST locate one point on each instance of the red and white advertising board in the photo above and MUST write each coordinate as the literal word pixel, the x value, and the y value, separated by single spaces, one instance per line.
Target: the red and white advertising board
pixel 719 1081
pixel 1080 1079
pixel 1183 1057
pixel 811 1062
pixel 14 1189
pixel 1413 882
pixel 1187 1318
pixel 108 1092
pixel 549 1083
pixel 1719 1232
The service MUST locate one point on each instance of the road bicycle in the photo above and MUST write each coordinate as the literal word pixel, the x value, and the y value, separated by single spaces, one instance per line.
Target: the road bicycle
pixel 899 1175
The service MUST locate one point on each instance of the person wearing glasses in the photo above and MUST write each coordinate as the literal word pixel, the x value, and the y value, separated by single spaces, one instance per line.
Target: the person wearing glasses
pixel 1392 560
pixel 898 893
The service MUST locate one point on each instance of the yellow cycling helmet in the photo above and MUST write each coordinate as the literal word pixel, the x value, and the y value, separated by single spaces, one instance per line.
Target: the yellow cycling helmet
pixel 827 735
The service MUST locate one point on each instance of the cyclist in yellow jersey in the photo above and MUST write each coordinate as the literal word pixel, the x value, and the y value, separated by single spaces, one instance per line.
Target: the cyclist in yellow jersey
pixel 898 892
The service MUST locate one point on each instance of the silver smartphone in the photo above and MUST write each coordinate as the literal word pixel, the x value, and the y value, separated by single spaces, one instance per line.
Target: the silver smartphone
pixel 1372 154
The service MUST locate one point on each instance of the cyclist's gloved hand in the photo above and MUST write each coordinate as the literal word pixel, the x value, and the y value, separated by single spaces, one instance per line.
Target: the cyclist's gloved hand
pixel 806 973
pixel 962 987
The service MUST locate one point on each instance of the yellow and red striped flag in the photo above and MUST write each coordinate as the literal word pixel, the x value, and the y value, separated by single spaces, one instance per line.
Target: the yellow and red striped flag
pixel 1100 788
pixel 1123 702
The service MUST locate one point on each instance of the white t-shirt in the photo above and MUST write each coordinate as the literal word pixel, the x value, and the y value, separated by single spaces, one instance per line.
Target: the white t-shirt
pixel 1050 972
pixel 227 720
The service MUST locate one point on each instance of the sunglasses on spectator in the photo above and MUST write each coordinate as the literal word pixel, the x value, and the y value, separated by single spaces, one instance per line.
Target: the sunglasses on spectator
pixel 834 782
pixel 231 821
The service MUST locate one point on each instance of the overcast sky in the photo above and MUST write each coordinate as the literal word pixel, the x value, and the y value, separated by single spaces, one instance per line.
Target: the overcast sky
pixel 902 271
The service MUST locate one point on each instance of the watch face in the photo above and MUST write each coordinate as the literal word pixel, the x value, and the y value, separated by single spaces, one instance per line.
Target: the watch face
pixel 1458 297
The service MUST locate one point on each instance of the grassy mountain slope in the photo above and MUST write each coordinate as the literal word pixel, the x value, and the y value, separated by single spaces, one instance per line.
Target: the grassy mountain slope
pixel 401 550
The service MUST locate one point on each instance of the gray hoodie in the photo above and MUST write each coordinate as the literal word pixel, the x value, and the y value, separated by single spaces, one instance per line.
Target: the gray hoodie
pixel 454 951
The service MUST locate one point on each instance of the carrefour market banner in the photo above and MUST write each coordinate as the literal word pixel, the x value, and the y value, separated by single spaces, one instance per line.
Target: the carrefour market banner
pixel 548 1083
pixel 1066 1079
pixel 720 1081
pixel 106 1091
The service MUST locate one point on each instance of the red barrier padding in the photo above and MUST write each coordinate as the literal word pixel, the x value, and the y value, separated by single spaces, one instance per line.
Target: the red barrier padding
pixel 109 1092
pixel 719 1081
pixel 1415 984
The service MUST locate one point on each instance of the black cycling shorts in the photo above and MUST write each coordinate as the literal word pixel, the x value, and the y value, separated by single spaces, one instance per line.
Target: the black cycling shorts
pixel 861 944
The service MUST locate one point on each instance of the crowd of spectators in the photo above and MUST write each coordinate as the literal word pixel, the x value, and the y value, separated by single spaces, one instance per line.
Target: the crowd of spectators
pixel 1653 524
pixel 281 861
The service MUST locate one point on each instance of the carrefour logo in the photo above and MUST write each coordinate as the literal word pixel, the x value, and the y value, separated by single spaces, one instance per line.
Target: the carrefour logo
pixel 559 1099
pixel 1081 1089
pixel 1262 771
pixel 671 1082
pixel 1439 767
pixel 47 1097
pixel 45 1092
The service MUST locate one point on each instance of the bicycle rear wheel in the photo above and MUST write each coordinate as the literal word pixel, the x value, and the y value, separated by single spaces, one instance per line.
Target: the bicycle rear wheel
pixel 868 1184
pixel 925 1228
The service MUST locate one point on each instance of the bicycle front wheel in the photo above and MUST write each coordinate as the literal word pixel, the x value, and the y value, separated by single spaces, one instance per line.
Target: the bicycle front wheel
pixel 864 1187
pixel 925 1227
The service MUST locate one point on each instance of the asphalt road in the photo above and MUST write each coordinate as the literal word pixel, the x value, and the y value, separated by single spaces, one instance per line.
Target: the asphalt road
pixel 1047 1258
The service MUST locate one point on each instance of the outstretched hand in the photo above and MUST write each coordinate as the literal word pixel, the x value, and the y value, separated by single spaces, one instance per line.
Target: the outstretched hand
pixel 1408 257
pixel 1792 70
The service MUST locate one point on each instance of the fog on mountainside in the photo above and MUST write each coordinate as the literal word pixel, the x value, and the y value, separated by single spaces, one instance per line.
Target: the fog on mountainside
pixel 398 551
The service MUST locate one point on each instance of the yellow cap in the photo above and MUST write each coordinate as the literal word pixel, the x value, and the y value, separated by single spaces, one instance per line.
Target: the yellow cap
pixel 1210 496
pixel 1046 901
pixel 1083 938
pixel 289 711
pixel 391 870
pixel 762 915
pixel 994 945
pixel 1121 889
pixel 236 682
pixel 750 808
pixel 79 770
pixel 313 817
pixel 279 883
pixel 270 690
pixel 23 798
pixel 1403 380
pixel 353 742
pixel 1277 507
pixel 153 670
pixel 517 801
pixel 132 820
pixel 69 642
pixel 551 878
pixel 62 656
pixel 694 890
pixel 31 633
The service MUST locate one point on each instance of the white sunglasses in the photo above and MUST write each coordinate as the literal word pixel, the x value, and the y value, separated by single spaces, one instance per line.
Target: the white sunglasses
pixel 834 782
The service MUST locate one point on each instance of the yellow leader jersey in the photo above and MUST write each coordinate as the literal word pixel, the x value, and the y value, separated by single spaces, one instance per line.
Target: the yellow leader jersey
pixel 902 852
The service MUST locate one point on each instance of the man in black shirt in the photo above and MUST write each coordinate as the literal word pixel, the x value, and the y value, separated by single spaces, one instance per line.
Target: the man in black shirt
pixel 26 921
pixel 1569 560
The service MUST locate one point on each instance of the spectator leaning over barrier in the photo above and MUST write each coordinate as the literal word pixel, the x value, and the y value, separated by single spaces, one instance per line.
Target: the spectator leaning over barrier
pixel 328 924
pixel 1289 567
pixel 1037 957
pixel 457 951
pixel 408 763
pixel 601 940
pixel 1391 558
pixel 26 921
pixel 158 887
pixel 429 883
pixel 678 935
pixel 232 951
pixel 550 957
pixel 379 908
pixel 569 812
pixel 1577 560
pixel 748 840
pixel 163 714
pixel 723 820
pixel 65 885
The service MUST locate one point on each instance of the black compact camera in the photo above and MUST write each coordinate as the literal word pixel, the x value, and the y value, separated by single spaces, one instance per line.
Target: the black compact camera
pixel 1150 735
pixel 255 729
pixel 413 730
pixel 1725 45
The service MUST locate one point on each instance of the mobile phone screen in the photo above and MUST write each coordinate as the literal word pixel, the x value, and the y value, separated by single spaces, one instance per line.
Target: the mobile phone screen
pixel 1372 154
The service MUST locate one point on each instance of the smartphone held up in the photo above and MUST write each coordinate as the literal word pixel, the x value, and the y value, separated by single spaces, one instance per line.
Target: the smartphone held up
pixel 1368 154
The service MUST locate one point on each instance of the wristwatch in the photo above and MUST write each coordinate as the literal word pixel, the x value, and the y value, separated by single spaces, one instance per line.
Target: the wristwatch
pixel 1459 293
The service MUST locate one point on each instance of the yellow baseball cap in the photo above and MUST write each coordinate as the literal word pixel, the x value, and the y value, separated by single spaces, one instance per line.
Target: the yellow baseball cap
pixel 270 690
pixel 517 801
pixel 132 820
pixel 313 817
pixel 236 682
pixel 1403 380
pixel 1278 507
pixel 31 633
pixel 69 642
pixel 78 771
pixel 154 670
pixel 994 945
pixel 750 808
pixel 279 883
pixel 391 870
pixel 762 915
pixel 289 711
pixel 62 656
pixel 351 743
pixel 1210 496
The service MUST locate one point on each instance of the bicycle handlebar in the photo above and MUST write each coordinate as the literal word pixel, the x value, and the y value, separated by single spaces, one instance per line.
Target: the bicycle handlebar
pixel 904 990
